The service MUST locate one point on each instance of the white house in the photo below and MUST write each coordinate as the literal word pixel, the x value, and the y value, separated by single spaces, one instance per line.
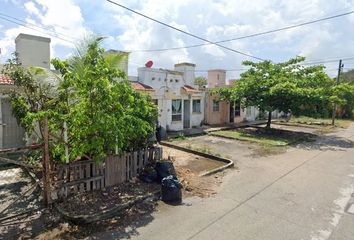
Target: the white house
pixel 180 103
pixel 31 51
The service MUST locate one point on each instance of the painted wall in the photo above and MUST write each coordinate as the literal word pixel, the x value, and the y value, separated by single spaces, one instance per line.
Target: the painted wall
pixel 188 70
pixel 220 117
pixel 216 78
pixel 33 50
pixel 168 86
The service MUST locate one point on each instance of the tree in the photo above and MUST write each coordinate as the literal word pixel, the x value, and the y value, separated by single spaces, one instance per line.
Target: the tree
pixel 33 97
pixel 348 76
pixel 200 82
pixel 286 87
pixel 103 113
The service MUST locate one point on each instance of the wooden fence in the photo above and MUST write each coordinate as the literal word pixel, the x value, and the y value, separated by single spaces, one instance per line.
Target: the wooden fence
pixel 88 175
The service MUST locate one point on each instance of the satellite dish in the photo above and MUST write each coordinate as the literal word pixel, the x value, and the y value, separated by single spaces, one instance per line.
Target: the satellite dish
pixel 149 64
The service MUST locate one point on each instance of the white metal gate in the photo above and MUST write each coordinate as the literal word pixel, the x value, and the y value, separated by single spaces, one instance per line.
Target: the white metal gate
pixel 12 135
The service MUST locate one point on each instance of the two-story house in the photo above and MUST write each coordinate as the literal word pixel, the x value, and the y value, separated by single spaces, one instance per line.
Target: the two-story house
pixel 180 103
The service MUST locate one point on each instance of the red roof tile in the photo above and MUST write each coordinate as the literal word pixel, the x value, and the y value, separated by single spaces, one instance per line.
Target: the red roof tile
pixel 141 87
pixel 5 80
pixel 191 89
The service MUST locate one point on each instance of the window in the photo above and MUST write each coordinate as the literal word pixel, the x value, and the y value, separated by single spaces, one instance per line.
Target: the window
pixel 216 106
pixel 237 109
pixel 176 110
pixel 196 106
pixel 156 102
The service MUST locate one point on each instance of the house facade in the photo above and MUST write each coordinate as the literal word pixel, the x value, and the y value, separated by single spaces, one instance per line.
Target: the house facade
pixel 222 112
pixel 31 51
pixel 180 103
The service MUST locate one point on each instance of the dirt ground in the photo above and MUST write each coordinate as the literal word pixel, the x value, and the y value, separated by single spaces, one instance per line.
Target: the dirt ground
pixel 189 167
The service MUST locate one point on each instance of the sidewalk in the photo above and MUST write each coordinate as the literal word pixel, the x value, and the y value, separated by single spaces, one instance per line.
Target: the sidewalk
pixel 207 128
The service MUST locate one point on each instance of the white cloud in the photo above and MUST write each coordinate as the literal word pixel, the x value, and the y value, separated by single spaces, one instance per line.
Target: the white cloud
pixel 31 8
pixel 62 19
pixel 211 19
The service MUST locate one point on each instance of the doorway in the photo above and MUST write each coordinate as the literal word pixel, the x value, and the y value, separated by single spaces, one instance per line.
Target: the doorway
pixel 186 114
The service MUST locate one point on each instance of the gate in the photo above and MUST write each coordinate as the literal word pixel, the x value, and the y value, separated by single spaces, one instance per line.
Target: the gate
pixel 13 135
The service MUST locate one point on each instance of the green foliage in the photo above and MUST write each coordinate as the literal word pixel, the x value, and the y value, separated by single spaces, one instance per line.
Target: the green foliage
pixel 348 76
pixel 102 111
pixel 287 87
pixel 92 96
pixel 200 82
pixel 31 98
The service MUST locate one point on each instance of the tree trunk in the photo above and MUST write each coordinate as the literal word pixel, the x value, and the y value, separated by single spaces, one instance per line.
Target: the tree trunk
pixel 269 119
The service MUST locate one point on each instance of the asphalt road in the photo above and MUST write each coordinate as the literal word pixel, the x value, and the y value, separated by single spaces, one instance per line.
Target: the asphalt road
pixel 301 194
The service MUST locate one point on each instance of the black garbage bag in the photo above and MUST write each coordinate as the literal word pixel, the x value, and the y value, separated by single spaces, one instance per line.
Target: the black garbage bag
pixel 164 169
pixel 148 174
pixel 171 189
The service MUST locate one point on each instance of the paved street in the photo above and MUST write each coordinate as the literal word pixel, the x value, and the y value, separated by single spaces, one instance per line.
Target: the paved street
pixel 302 194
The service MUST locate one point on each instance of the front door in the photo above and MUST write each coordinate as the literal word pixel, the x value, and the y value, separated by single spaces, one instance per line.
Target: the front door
pixel 186 114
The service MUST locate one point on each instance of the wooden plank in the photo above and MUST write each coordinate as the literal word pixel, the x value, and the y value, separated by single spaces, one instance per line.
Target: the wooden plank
pixel 134 164
pixel 122 168
pixel 93 165
pixel 107 168
pixel 82 185
pixel 88 170
pixel 146 156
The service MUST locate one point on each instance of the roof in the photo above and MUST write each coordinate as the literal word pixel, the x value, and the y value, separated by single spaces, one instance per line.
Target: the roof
pixel 31 37
pixel 138 86
pixel 185 64
pixel 217 70
pixel 174 72
pixel 190 89
pixel 5 80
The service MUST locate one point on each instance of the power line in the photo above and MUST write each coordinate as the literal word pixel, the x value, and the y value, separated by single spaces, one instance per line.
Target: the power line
pixel 40 27
pixel 242 37
pixel 182 31
pixel 325 61
pixel 24 25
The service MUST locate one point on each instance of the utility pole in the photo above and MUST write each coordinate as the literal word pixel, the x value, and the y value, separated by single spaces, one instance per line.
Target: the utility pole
pixel 337 82
pixel 46 166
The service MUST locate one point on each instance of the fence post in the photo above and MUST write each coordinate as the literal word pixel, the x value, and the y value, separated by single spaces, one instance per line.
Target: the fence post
pixel 46 168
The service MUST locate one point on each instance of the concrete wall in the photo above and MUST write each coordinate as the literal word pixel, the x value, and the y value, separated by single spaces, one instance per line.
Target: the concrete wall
pixel 168 86
pixel 33 50
pixel 220 117
pixel 188 70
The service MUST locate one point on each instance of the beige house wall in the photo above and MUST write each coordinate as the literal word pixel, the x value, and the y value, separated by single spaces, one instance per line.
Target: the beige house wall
pixel 220 117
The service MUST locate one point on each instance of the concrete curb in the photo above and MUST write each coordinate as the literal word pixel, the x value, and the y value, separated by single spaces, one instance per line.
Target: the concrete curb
pixel 229 162
pixel 244 140
pixel 105 214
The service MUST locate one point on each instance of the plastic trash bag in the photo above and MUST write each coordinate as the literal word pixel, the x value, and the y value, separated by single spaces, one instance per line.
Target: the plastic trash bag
pixel 164 169
pixel 171 189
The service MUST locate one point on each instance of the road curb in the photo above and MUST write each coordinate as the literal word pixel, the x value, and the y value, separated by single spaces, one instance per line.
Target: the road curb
pixel 229 163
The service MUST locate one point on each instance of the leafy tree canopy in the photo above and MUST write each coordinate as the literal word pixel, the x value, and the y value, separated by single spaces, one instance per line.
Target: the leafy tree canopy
pixel 101 110
pixel 286 87
pixel 200 81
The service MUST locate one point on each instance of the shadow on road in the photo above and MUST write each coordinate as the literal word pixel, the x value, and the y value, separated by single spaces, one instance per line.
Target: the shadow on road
pixel 328 143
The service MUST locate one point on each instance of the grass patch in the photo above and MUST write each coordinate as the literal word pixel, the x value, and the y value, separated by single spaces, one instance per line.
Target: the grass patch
pixel 179 137
pixel 271 137
pixel 268 140
pixel 342 123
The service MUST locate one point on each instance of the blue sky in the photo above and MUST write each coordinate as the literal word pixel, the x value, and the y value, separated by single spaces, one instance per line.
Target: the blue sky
pixel 214 20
